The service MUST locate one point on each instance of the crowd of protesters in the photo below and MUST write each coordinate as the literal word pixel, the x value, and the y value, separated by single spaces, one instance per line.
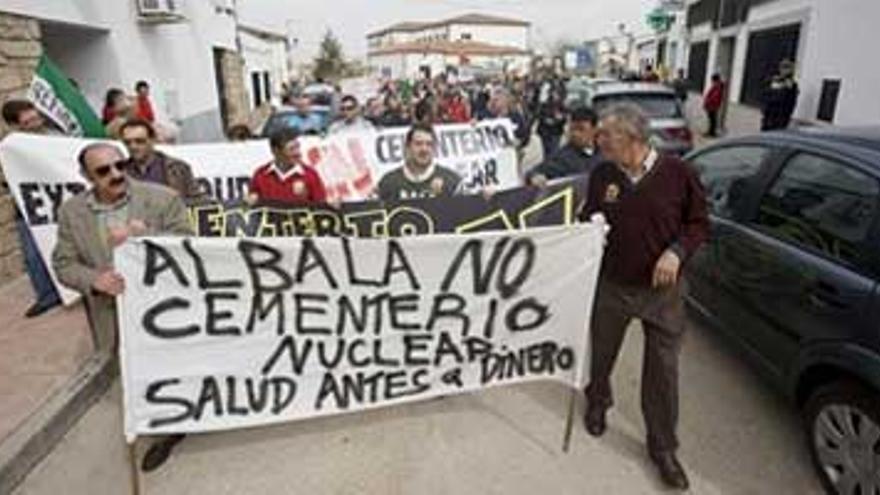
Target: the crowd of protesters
pixel 633 185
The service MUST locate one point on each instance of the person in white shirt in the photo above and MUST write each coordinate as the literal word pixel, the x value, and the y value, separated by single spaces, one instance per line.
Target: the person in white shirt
pixel 351 119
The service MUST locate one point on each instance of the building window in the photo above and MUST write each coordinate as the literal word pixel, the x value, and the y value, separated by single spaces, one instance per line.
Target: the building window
pixel 465 37
pixel 828 100
pixel 267 88
pixel 702 11
pixel 255 89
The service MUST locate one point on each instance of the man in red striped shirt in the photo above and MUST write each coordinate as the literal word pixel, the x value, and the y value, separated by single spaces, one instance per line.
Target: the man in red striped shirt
pixel 287 179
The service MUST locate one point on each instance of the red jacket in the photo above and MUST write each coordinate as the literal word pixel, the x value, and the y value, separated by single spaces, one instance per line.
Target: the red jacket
pixel 145 108
pixel 714 97
pixel 300 185
pixel 456 112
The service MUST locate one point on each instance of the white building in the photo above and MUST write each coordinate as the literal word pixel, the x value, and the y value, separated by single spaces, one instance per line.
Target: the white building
pixel 646 53
pixel 266 64
pixel 456 45
pixel 829 40
pixel 186 50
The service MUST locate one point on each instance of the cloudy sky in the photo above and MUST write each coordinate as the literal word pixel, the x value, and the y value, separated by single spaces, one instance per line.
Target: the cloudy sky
pixel 351 20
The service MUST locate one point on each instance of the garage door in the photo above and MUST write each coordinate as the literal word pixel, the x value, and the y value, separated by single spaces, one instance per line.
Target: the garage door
pixel 766 49
pixel 697 61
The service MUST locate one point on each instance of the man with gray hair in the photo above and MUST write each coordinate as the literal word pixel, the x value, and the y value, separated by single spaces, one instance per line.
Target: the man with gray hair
pixel 656 209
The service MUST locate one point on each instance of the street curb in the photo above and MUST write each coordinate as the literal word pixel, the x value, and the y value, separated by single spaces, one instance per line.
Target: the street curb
pixel 22 450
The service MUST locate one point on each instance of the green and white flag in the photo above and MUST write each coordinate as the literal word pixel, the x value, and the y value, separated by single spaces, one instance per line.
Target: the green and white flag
pixel 54 95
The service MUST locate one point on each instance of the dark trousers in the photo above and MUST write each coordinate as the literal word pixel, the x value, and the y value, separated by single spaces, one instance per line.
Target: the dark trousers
pixel 662 316
pixel 550 143
pixel 713 123
pixel 772 122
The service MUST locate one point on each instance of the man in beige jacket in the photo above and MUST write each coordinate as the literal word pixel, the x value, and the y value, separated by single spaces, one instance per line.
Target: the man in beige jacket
pixel 94 222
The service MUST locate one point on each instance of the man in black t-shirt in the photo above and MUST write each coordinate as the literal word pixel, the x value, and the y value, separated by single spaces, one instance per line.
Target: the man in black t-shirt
pixel 419 177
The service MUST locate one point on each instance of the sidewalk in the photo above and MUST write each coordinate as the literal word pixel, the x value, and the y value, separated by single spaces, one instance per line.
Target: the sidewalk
pixel 47 378
pixel 741 120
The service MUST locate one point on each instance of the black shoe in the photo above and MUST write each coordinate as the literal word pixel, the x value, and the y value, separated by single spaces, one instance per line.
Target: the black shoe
pixel 35 310
pixel 671 471
pixel 594 420
pixel 159 452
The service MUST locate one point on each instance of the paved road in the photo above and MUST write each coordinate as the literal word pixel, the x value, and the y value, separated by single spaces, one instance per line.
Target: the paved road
pixel 737 437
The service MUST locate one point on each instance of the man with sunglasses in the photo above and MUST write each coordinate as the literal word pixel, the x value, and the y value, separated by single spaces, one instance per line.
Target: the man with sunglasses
pixel 350 119
pixel 149 165
pixel 91 224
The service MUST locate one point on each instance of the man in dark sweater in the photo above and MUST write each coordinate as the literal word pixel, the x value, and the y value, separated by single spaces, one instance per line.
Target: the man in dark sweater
pixel 420 176
pixel 578 156
pixel 656 209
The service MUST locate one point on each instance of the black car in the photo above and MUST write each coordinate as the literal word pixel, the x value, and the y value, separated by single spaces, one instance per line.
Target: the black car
pixel 791 274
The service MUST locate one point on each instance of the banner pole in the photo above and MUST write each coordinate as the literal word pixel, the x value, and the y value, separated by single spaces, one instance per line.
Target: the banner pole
pixel 133 468
pixel 566 441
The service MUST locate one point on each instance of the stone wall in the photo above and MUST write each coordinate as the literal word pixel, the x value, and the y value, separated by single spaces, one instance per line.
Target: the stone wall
pixel 20 51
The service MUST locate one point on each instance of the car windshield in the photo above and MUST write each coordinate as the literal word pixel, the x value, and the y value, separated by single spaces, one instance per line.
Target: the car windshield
pixel 320 98
pixel 656 105
pixel 314 123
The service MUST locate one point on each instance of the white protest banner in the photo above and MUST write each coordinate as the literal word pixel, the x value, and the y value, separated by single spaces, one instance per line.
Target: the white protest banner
pixel 42 171
pixel 220 333
pixel 353 163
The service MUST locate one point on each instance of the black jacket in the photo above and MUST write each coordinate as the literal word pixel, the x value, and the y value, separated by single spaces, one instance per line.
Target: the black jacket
pixel 567 161
pixel 551 120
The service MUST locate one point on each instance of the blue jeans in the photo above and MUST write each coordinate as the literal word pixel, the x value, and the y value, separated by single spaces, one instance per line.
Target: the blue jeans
pixel 44 288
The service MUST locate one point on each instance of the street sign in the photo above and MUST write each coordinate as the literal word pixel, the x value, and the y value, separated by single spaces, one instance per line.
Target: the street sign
pixel 660 20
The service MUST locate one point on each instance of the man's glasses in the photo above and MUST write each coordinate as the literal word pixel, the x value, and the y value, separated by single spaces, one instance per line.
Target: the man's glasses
pixel 347 108
pixel 128 142
pixel 104 170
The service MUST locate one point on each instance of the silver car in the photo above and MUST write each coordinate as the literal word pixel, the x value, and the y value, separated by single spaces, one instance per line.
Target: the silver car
pixel 579 90
pixel 669 126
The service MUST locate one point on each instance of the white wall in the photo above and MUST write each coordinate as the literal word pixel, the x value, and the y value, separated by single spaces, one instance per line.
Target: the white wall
pixel 518 63
pixel 176 59
pixel 647 54
pixel 407 65
pixel 431 34
pixel 844 34
pixel 394 62
pixel 835 37
pixel 780 11
pixel 515 36
pixel 261 55
pixel 413 61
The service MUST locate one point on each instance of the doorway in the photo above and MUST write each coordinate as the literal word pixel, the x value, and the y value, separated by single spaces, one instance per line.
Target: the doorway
pixel 766 49
pixel 697 63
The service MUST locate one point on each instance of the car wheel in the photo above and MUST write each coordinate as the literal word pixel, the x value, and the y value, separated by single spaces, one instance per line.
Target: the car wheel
pixel 842 422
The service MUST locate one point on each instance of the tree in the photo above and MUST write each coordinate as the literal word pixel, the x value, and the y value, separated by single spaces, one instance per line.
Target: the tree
pixel 330 63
